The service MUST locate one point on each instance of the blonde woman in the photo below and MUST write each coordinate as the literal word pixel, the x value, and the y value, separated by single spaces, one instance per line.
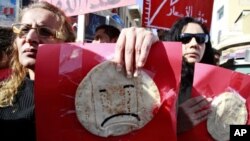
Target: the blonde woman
pixel 43 23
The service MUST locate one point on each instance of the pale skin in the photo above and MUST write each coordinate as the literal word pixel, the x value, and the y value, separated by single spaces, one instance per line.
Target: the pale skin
pixel 131 40
pixel 194 110
pixel 133 45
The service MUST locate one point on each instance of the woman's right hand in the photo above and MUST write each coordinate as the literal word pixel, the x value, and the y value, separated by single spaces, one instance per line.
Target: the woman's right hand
pixel 192 112
pixel 132 49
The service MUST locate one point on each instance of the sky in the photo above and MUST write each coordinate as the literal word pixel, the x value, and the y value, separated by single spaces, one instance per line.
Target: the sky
pixel 139 2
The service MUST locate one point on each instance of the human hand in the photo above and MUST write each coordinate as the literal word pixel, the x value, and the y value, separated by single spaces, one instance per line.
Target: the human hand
pixel 192 112
pixel 132 49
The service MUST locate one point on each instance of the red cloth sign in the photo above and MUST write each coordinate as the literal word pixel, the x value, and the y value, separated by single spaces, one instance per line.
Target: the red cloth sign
pixel 61 67
pixel 211 81
pixel 79 7
pixel 164 13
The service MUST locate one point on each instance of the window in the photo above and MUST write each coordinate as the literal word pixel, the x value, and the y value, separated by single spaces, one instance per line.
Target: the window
pixel 220 13
pixel 219 37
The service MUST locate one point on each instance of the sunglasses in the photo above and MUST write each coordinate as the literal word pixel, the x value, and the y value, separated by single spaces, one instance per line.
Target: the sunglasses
pixel 200 38
pixel 23 29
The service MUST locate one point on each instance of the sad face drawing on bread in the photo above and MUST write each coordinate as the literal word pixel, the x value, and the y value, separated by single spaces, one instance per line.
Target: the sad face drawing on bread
pixel 109 104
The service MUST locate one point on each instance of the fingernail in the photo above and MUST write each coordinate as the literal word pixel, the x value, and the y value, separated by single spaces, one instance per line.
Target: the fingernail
pixel 129 74
pixel 209 99
pixel 140 64
pixel 118 67
pixel 137 73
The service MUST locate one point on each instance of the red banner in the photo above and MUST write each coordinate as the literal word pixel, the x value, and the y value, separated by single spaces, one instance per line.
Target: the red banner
pixel 164 13
pixel 79 7
pixel 60 70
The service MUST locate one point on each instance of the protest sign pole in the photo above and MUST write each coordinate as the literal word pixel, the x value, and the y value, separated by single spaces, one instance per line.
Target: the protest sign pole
pixel 80 28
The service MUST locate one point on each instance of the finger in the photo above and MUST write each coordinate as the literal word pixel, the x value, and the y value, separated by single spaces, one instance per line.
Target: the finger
pixel 202 113
pixel 119 50
pixel 193 101
pixel 129 51
pixel 138 44
pixel 199 120
pixel 201 105
pixel 148 41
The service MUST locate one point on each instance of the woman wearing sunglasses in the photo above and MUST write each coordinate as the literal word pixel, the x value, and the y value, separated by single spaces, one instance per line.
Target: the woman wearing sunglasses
pixel 43 23
pixel 196 47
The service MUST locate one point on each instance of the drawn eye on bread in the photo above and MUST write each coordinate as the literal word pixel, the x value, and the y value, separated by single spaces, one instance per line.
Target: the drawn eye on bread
pixel 227 109
pixel 110 104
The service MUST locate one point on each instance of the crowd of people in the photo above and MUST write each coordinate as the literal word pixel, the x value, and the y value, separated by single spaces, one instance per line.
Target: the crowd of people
pixel 43 23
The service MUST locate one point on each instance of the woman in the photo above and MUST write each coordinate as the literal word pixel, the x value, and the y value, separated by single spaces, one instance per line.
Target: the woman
pixel 43 23
pixel 196 47
pixel 39 23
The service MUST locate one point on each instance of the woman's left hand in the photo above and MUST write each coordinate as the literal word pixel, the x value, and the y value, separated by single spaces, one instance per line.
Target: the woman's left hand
pixel 132 49
pixel 192 112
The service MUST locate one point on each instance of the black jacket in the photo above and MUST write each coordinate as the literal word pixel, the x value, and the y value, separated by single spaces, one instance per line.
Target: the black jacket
pixel 17 122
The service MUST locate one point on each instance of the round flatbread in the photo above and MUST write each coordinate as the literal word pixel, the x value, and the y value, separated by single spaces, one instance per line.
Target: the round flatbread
pixel 110 104
pixel 227 109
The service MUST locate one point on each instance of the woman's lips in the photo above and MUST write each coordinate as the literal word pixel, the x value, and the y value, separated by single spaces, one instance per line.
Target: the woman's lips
pixel 196 55
pixel 30 52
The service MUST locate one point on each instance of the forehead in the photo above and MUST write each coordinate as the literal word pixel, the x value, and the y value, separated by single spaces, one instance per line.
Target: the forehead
pixel 39 16
pixel 192 28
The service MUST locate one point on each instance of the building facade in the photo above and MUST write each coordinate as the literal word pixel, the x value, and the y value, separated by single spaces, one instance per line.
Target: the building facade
pixel 230 33
pixel 230 19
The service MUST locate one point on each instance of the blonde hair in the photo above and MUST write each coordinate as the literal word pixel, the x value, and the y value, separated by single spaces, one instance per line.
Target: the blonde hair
pixel 9 87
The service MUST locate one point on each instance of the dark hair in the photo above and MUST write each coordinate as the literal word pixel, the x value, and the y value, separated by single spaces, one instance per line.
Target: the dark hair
pixel 163 34
pixel 176 31
pixel 217 52
pixel 6 38
pixel 110 30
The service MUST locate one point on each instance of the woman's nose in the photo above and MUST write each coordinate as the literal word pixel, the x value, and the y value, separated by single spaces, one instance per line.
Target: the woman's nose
pixel 193 41
pixel 32 35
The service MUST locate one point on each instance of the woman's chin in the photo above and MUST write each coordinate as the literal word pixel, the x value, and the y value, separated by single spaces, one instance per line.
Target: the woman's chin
pixel 192 60
pixel 29 64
